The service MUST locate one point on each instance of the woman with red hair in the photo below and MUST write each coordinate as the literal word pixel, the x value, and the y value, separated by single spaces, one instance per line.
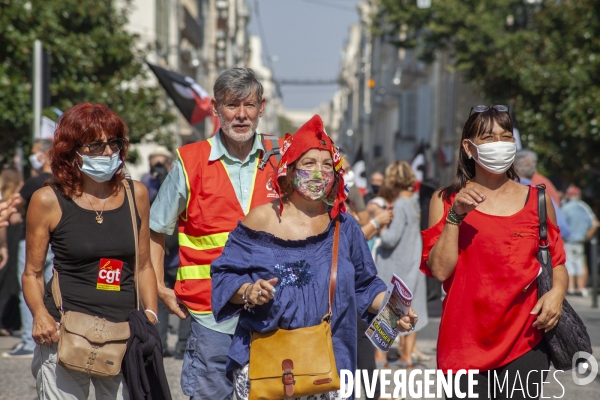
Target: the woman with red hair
pixel 84 215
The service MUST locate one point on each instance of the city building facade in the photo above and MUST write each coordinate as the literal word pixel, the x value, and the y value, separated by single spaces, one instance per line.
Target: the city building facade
pixel 392 106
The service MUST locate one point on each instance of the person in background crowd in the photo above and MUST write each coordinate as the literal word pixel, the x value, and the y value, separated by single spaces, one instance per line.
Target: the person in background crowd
pixel 161 163
pixel 525 164
pixel 39 156
pixel 380 214
pixel 583 224
pixel 84 214
pixel 293 239
pixel 41 172
pixel 539 179
pixel 400 254
pixel 482 244
pixel 212 186
pixel 374 185
pixel 10 184
pixel 355 202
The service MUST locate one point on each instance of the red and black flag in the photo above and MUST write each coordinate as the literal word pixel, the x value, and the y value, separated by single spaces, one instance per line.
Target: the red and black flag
pixel 191 99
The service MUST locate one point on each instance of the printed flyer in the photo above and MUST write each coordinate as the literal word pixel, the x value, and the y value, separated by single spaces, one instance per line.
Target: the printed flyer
pixel 396 303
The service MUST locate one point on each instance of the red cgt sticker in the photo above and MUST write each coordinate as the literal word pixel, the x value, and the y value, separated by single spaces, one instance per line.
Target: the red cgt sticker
pixel 109 274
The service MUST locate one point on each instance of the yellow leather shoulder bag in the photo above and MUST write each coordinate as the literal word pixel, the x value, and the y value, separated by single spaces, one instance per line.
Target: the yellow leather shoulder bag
pixel 297 362
pixel 89 344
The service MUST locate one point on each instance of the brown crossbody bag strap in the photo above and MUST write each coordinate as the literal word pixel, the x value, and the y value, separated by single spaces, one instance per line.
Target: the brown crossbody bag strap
pixel 56 287
pixel 334 265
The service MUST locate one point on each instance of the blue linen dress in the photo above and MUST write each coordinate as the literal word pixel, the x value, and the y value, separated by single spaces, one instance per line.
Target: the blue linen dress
pixel 301 300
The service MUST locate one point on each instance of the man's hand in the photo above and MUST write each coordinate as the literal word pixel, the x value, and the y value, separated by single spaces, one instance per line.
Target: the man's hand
pixel 173 304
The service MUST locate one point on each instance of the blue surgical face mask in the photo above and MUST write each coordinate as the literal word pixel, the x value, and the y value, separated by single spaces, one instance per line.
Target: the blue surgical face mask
pixel 100 168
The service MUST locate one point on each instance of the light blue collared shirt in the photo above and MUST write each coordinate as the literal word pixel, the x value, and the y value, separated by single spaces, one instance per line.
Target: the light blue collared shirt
pixel 171 201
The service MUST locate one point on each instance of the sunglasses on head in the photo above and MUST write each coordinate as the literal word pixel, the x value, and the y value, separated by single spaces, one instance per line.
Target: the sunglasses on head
pixel 483 108
pixel 97 148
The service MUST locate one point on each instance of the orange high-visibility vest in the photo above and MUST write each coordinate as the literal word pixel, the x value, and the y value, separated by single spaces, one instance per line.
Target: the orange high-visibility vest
pixel 212 211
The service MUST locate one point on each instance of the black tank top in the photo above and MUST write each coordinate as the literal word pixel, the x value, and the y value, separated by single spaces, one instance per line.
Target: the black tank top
pixel 79 243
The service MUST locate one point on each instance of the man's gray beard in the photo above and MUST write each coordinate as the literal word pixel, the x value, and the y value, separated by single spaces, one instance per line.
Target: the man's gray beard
pixel 227 131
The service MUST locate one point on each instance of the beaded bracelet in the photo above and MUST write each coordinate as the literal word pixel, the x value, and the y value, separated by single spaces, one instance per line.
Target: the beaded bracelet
pixel 451 222
pixel 455 218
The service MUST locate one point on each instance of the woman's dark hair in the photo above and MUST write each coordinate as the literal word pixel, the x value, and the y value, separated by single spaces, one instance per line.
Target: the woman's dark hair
pixel 286 183
pixel 84 123
pixel 477 124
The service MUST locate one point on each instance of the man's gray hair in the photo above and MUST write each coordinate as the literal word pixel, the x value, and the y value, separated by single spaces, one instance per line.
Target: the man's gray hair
pixel 237 83
pixel 45 144
pixel 525 163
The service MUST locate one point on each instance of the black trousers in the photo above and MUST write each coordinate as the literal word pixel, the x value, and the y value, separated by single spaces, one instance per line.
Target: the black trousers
pixel 526 372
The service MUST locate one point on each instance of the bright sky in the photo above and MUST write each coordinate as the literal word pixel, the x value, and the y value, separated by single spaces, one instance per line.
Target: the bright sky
pixel 307 38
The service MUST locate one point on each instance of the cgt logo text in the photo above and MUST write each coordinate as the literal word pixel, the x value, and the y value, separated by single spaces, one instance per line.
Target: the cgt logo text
pixel 432 383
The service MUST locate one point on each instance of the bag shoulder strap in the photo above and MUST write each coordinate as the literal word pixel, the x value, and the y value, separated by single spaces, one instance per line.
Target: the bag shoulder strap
pixel 57 296
pixel 334 264
pixel 542 213
pixel 274 151
pixel 126 184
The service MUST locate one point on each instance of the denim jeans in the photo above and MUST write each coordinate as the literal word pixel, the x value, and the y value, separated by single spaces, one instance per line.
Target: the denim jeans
pixel 26 317
pixel 203 375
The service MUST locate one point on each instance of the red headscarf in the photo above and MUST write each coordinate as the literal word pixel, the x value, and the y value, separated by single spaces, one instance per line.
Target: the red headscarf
pixel 310 136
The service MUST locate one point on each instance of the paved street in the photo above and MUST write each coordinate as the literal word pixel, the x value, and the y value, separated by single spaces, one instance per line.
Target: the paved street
pixel 16 381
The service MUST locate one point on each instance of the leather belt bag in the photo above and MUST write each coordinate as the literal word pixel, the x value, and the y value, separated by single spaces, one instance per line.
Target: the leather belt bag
pixel 90 344
pixel 297 362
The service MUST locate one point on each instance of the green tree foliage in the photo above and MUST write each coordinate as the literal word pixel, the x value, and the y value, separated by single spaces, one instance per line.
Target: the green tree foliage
pixel 286 126
pixel 93 59
pixel 545 58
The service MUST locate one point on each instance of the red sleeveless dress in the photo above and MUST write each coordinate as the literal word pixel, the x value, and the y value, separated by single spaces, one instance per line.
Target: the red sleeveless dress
pixel 486 321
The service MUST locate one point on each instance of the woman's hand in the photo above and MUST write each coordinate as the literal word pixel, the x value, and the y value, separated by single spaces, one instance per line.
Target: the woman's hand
pixel 261 291
pixel 550 306
pixel 407 322
pixel 467 200
pixel 45 329
pixel 384 217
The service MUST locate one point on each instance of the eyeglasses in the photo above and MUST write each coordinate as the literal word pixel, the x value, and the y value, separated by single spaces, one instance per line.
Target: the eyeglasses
pixel 483 108
pixel 97 148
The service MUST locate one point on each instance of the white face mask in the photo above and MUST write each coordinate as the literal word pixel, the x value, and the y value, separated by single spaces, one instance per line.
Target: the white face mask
pixel 495 157
pixel 37 160
pixel 349 178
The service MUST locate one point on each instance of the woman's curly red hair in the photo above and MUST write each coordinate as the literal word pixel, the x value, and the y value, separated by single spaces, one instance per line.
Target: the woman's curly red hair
pixel 83 123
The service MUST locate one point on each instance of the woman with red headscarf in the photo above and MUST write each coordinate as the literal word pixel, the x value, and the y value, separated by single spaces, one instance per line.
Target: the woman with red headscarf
pixel 84 215
pixel 275 268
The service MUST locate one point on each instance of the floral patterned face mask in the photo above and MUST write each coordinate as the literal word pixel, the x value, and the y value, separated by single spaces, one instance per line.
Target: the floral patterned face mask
pixel 313 185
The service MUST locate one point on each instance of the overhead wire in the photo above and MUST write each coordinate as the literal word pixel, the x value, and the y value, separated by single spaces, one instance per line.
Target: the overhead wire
pixel 330 5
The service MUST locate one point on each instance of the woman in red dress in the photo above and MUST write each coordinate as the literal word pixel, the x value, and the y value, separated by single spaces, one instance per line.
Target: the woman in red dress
pixel 482 243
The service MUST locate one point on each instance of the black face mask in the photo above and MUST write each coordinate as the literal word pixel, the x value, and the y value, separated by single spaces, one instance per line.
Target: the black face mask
pixel 160 172
pixel 375 188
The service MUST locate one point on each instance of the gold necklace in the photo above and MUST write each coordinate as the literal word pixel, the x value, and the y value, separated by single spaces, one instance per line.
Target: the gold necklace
pixel 99 217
